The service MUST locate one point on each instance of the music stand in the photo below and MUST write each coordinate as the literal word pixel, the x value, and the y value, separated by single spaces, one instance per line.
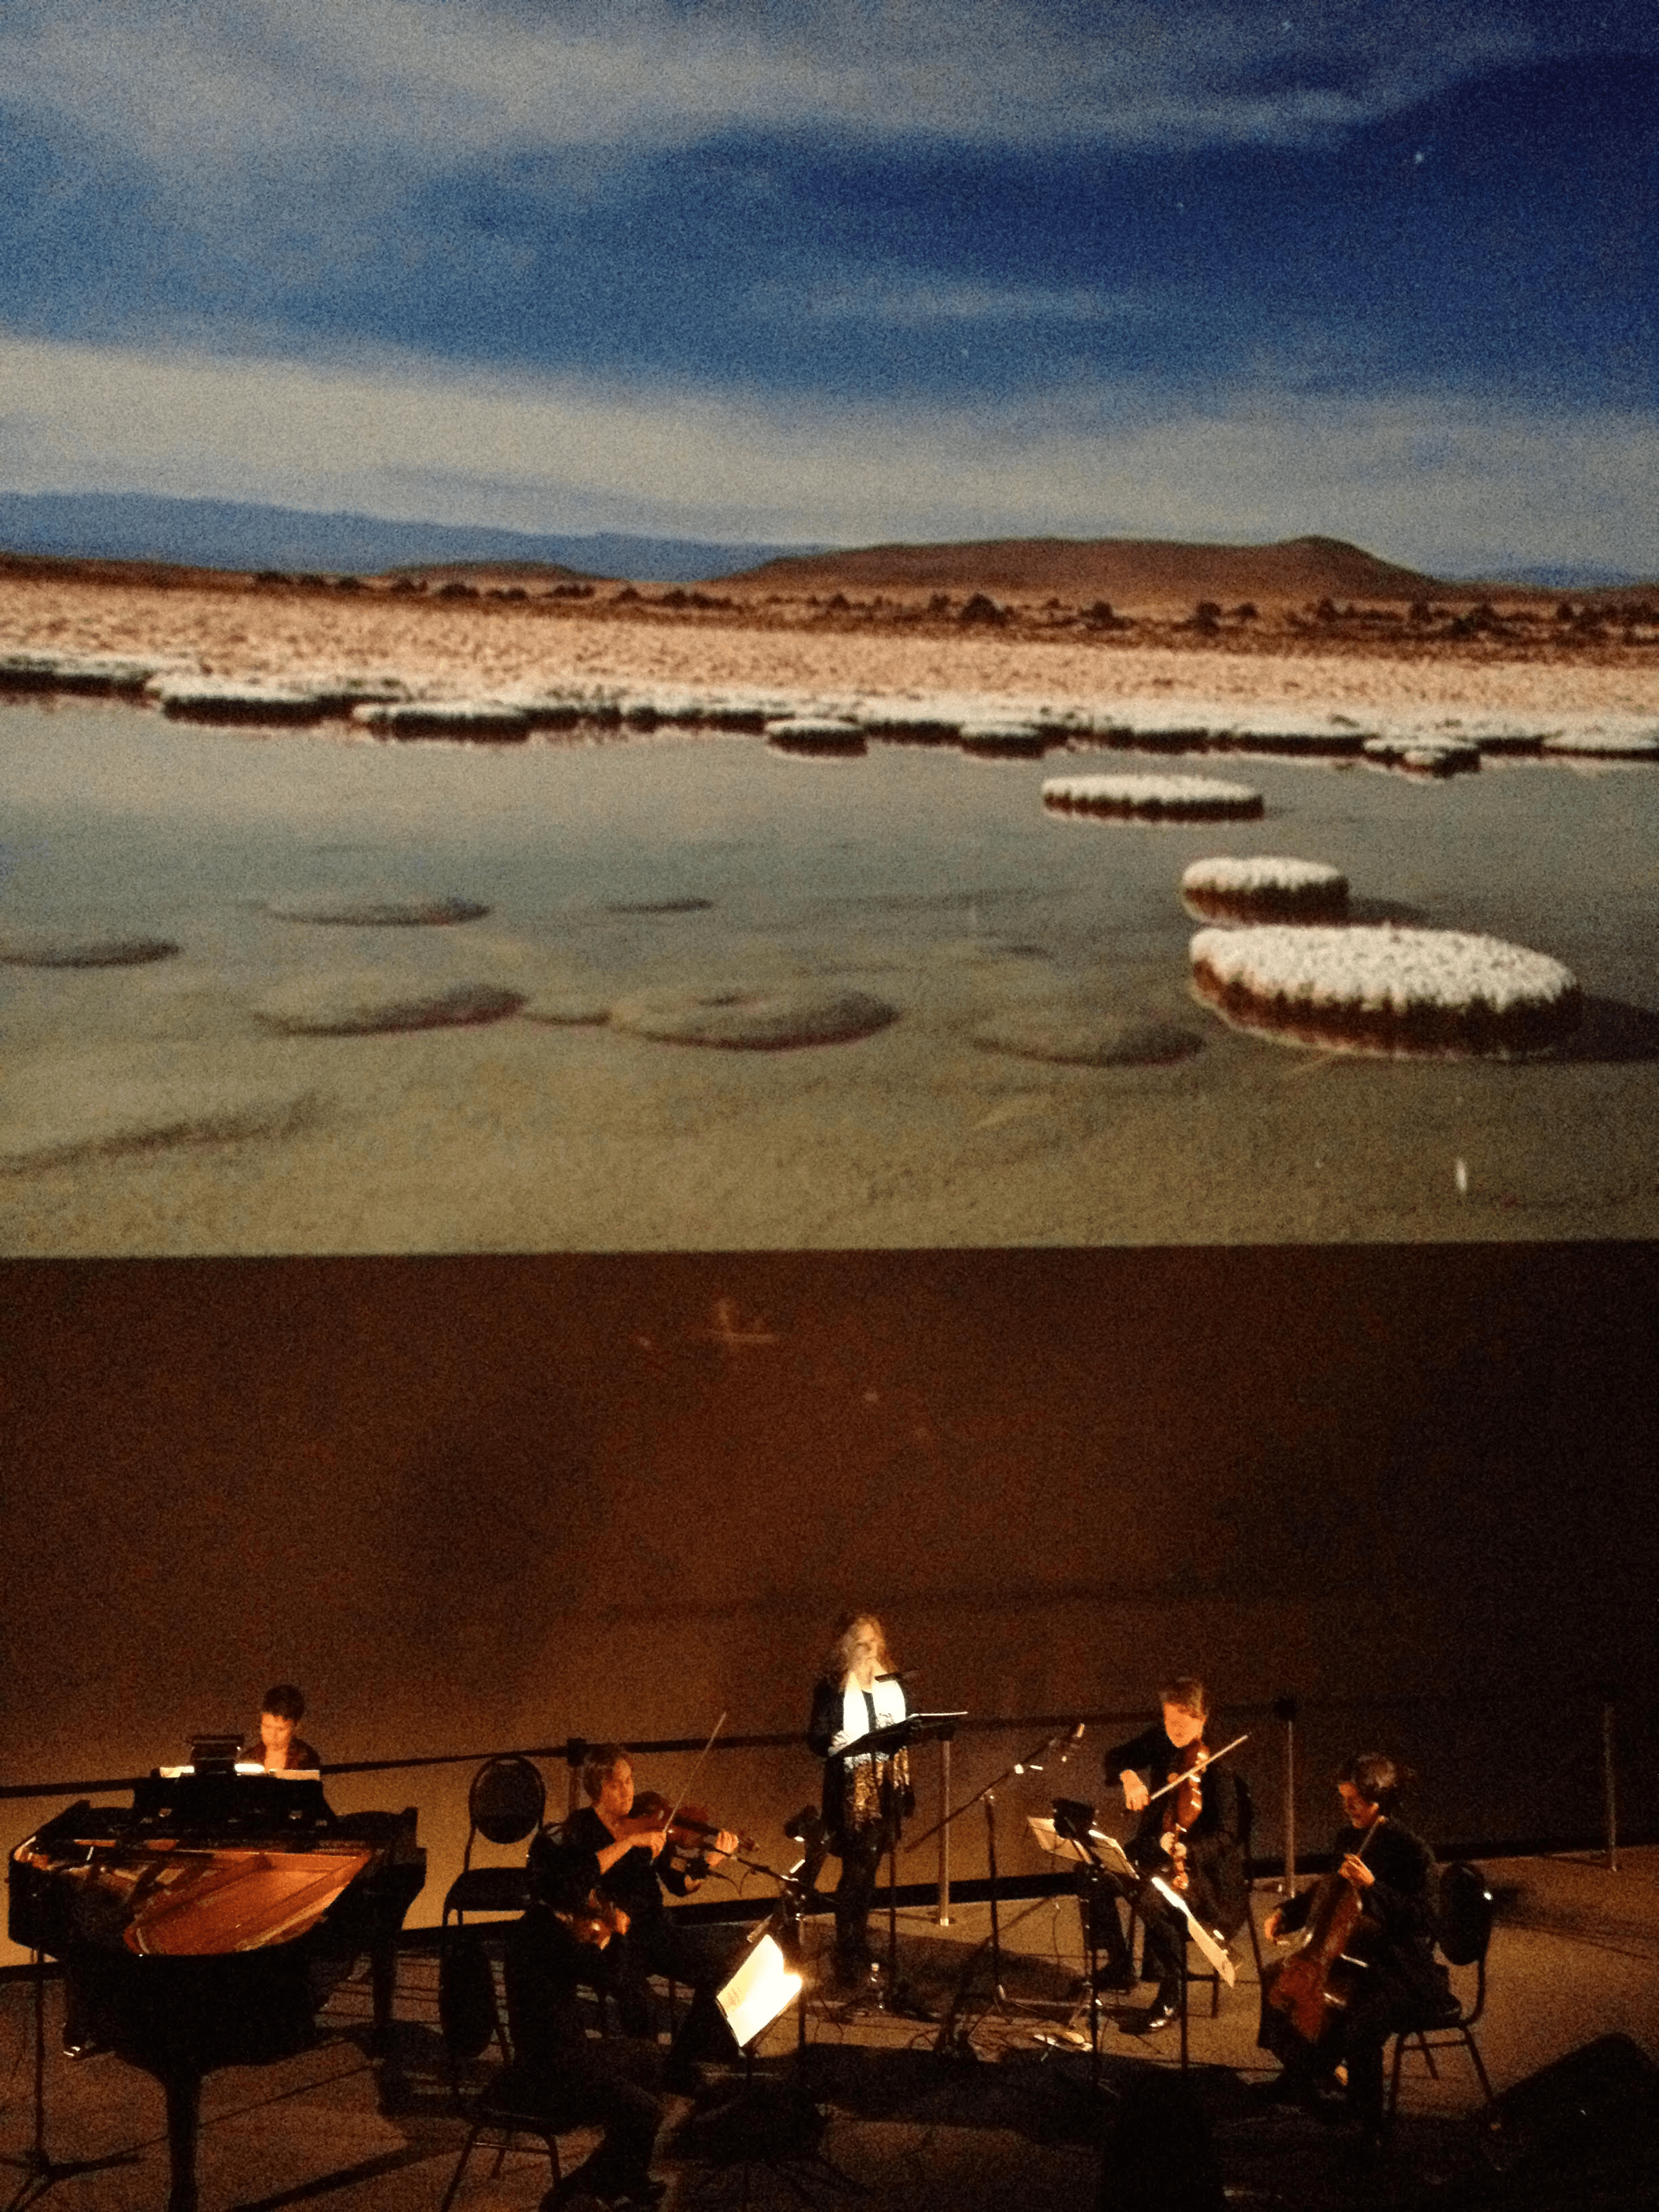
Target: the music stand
pixel 782 2127
pixel 883 1742
pixel 1032 1763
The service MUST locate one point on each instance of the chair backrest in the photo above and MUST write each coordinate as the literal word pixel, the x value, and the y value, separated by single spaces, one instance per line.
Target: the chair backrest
pixel 507 1800
pixel 1466 1915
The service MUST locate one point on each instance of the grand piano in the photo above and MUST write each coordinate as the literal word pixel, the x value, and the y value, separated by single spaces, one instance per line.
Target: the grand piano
pixel 202 1925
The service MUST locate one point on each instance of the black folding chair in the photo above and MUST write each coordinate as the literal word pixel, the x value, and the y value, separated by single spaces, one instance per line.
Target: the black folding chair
pixel 505 1803
pixel 1466 1909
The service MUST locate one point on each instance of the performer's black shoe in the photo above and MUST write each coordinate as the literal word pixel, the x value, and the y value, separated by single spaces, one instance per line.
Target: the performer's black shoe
pixel 904 2002
pixel 1166 2010
pixel 1274 2096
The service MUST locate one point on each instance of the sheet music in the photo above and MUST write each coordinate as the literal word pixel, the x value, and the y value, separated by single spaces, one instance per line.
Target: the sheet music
pixel 1108 1850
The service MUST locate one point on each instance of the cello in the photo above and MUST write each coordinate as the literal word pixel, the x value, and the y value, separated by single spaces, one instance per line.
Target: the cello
pixel 1318 1980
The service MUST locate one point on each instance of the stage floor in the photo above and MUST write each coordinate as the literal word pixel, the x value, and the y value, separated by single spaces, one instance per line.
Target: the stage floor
pixel 1001 2119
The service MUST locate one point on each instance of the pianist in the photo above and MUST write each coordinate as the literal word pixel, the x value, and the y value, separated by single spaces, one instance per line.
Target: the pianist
pixel 281 1709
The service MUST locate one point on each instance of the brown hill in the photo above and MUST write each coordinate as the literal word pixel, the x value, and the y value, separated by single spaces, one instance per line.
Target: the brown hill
pixel 1127 571
pixel 88 568
pixel 486 573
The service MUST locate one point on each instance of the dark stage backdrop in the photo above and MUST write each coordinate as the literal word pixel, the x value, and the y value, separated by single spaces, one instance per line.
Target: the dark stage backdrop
pixel 469 1501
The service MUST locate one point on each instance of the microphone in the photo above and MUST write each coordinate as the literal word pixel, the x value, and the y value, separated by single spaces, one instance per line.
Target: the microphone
pixel 902 1674
pixel 1070 1739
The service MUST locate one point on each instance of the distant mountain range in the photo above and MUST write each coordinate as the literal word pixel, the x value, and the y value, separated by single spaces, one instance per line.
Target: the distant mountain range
pixel 214 533
pixel 208 533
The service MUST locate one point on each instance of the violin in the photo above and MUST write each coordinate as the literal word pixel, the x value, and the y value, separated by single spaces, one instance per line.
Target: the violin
pixel 691 1828
pixel 1183 1809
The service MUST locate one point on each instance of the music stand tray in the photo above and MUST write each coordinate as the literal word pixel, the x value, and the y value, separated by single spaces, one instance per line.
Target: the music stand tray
pixel 1107 1852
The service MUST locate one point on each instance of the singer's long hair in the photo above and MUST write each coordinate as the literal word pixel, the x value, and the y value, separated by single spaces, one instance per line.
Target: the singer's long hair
pixel 839 1664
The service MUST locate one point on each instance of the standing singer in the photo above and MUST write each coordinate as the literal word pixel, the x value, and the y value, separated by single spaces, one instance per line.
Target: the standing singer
pixel 866 1795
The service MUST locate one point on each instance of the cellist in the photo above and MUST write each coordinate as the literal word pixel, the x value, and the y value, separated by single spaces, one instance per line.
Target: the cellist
pixel 1387 1872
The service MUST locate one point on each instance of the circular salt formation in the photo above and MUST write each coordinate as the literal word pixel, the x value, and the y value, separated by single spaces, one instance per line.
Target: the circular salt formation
pixel 1008 740
pixel 1386 990
pixel 67 948
pixel 445 718
pixel 659 906
pixel 366 1004
pixel 97 673
pixel 1264 888
pixel 207 699
pixel 1426 756
pixel 371 908
pixel 1079 1038
pixel 1606 745
pixel 815 733
pixel 566 1009
pixel 754 1020
pixel 1152 797
pixel 101 1103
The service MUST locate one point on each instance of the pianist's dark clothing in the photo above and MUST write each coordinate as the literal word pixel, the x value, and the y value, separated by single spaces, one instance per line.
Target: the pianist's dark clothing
pixel 1403 1984
pixel 302 1755
pixel 702 1958
pixel 558 2071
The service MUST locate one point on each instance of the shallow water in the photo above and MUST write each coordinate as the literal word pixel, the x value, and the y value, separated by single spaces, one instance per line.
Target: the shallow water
pixel 936 883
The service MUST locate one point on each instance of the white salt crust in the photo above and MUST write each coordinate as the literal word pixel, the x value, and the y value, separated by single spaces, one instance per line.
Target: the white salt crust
pixel 217 699
pixel 1261 872
pixel 443 718
pixel 1606 745
pixel 1264 888
pixel 1387 989
pixel 1174 798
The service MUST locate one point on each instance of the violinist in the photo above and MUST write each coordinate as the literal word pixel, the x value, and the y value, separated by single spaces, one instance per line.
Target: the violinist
pixel 625 1851
pixel 866 1795
pixel 1193 1836
pixel 1384 1977
pixel 558 2071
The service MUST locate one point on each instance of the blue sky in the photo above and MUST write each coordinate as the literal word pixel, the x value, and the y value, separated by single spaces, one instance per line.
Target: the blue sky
pixel 850 272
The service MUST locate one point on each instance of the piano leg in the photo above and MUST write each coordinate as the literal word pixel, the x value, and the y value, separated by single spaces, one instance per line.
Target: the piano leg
pixel 383 1984
pixel 184 2095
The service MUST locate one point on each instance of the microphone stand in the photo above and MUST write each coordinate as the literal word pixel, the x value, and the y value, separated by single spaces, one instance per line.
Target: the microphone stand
pixel 1032 1763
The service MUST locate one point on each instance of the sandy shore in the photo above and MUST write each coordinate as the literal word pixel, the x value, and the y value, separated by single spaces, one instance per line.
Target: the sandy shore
pixel 487 648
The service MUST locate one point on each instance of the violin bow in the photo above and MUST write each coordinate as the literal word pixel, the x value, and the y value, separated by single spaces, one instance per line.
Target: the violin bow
pixel 1177 1781
pixel 697 1770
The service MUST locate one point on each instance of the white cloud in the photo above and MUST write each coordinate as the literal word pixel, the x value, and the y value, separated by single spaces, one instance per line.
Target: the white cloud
pixel 288 84
pixel 1437 482
pixel 915 303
